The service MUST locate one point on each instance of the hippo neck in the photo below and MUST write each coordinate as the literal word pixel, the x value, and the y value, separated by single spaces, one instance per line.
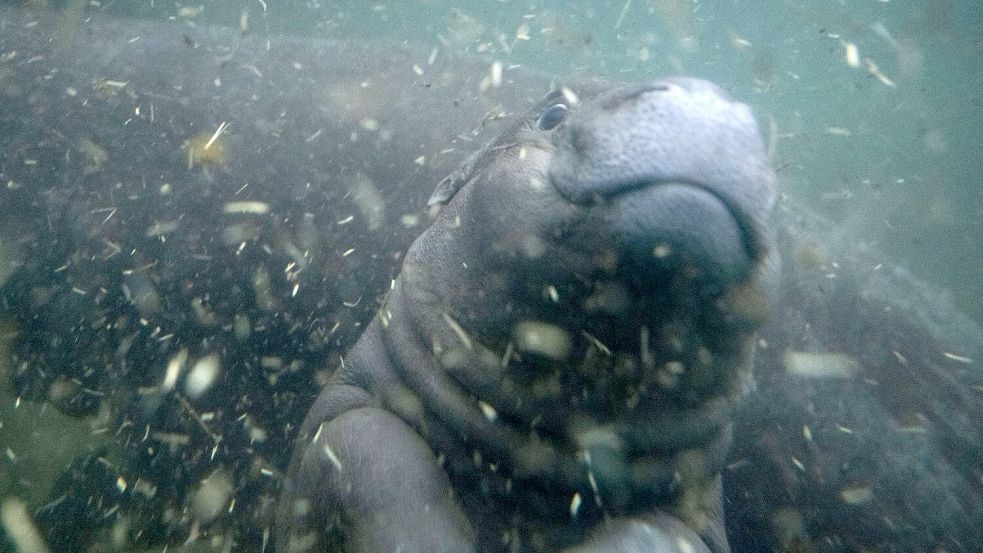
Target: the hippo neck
pixel 465 403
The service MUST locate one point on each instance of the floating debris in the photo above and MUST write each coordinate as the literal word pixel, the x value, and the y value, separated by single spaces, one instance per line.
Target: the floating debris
pixel 543 338
pixel 552 293
pixel 202 376
pixel 789 529
pixel 496 74
pixel 621 16
pixel 145 488
pixel 174 367
pixel 569 96
pixel 532 246
pixel 459 331
pixel 747 300
pixel 330 454
pixel 107 88
pixel 190 12
pixel 207 149
pixel 212 496
pixel 881 31
pixel 253 207
pixel 20 528
pixel 957 358
pixel 856 494
pixel 263 289
pixel 851 53
pixel 161 229
pixel 876 72
pixel 203 315
pixel 369 201
pixel 172 440
pixel 521 33
pixel 241 326
pixel 914 423
pixel 684 545
pixel 820 365
pixel 668 376
pixel 95 156
pixel 222 126
pixel 575 504
pixel 139 289
pixel 488 411
pixel 463 31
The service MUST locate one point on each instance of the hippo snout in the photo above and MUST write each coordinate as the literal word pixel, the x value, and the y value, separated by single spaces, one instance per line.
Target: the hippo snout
pixel 680 171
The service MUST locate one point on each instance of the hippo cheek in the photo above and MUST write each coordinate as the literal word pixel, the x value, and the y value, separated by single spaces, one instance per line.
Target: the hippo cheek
pixel 667 229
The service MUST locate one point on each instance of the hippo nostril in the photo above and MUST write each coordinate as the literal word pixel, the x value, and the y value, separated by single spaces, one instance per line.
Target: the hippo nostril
pixel 659 87
pixel 639 92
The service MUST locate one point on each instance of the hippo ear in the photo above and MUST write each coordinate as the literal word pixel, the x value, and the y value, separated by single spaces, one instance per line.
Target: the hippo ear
pixel 449 185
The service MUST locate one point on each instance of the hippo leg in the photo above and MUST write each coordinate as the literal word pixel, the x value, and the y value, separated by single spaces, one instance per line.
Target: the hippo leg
pixel 378 480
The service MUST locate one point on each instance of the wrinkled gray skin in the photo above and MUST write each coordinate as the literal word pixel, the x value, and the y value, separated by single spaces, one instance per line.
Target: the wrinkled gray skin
pixel 633 223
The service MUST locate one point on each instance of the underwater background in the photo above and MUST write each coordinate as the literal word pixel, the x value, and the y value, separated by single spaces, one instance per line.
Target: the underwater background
pixel 871 111
pixel 885 141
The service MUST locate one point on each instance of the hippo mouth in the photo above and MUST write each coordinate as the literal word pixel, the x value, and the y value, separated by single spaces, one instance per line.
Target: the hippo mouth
pixel 666 225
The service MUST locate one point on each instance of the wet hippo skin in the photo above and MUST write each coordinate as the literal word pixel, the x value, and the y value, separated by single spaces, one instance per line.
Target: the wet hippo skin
pixel 555 366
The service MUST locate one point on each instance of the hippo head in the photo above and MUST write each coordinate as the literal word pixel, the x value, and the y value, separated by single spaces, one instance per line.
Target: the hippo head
pixel 673 173
pixel 595 277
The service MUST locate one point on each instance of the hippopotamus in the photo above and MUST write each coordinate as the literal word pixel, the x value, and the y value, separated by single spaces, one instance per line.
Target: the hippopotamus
pixel 611 317
pixel 555 366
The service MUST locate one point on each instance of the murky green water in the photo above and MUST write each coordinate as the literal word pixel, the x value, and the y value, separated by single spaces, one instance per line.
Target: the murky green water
pixel 889 149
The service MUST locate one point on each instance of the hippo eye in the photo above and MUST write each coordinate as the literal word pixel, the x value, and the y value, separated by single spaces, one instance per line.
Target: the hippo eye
pixel 553 116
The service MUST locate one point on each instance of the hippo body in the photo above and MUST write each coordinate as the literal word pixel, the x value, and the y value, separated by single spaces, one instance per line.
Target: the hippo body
pixel 562 376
